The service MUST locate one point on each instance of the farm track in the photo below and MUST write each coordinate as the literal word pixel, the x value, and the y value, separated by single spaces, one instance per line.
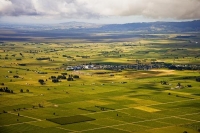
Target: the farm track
pixel 26 116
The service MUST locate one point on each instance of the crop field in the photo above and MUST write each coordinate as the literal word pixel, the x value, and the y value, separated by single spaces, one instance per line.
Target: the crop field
pixel 142 86
pixel 71 119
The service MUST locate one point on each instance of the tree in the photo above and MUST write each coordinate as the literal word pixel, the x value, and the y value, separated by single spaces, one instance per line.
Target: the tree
pixel 53 77
pixel 15 76
pixel 189 85
pixel 40 105
pixel 41 81
pixel 21 54
pixel 64 73
pixel 61 77
pixel 70 78
pixel 55 80
pixel 198 79
pixel 76 76
pixel 163 82
pixel 4 111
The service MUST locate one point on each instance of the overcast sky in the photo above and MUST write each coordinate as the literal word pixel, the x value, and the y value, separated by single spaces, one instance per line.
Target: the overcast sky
pixel 98 11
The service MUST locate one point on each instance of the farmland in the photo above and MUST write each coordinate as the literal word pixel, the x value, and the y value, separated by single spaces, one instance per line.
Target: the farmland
pixel 117 87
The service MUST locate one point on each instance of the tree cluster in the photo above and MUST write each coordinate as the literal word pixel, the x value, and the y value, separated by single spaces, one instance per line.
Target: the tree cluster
pixel 56 79
pixel 43 58
pixel 6 89
pixel 15 76
pixel 63 76
pixel 22 64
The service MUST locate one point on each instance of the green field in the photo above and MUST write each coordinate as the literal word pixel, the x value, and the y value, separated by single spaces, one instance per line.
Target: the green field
pixel 103 99
pixel 70 120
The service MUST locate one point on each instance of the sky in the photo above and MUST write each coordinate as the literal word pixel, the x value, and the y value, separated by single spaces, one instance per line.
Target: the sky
pixel 98 11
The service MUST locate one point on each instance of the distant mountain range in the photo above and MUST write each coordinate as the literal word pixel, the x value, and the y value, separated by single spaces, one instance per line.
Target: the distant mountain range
pixel 92 27
pixel 79 25
pixel 155 26
pixel 95 32
pixel 144 26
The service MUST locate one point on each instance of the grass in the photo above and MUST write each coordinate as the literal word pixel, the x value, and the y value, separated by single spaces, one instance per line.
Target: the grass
pixel 147 109
pixel 175 121
pixel 15 107
pixel 18 128
pixel 7 119
pixel 110 130
pixel 171 129
pixel 48 130
pixel 153 124
pixel 82 126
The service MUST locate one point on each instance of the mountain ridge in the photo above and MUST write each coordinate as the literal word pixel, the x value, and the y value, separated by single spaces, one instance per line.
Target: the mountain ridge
pixel 160 26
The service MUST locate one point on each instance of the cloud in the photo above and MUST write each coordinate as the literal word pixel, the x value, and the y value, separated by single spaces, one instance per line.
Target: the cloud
pixel 157 9
pixel 178 9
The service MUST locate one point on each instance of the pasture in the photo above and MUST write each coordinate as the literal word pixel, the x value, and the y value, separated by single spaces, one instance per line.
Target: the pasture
pixel 122 87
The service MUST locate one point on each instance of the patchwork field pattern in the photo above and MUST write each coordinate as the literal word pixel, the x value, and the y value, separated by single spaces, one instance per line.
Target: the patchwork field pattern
pixel 100 100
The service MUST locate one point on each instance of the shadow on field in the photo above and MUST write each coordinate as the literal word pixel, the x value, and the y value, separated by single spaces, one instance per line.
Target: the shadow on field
pixel 194 104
